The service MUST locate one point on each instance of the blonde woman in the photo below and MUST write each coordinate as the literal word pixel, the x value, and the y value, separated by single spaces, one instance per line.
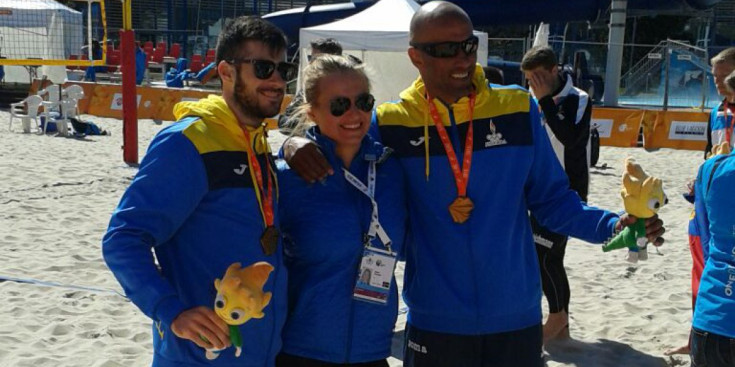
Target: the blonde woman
pixel 351 223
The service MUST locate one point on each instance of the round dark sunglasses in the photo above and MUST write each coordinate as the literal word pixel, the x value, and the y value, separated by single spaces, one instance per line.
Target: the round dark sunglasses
pixel 264 68
pixel 339 105
pixel 448 49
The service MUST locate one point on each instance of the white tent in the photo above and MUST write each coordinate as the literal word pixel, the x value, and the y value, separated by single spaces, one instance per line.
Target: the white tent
pixel 43 29
pixel 379 36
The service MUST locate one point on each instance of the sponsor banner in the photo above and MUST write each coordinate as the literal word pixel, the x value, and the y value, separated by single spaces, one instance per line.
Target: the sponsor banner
pixel 116 103
pixel 604 127
pixel 688 130
pixel 677 130
pixel 618 127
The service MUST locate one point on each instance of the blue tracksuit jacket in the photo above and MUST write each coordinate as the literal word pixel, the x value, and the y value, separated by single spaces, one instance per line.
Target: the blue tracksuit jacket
pixel 192 201
pixel 324 226
pixel 482 276
pixel 714 203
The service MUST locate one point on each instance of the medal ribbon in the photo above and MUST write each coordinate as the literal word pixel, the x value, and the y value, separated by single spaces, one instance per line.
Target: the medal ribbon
pixel 461 177
pixel 369 191
pixel 265 197
pixel 728 130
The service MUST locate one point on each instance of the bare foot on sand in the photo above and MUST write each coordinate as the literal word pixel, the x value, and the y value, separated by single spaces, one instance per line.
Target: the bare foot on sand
pixel 557 326
pixel 684 349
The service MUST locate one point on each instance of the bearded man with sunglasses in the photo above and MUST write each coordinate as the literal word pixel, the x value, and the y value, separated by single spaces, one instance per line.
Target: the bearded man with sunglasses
pixel 476 161
pixel 204 199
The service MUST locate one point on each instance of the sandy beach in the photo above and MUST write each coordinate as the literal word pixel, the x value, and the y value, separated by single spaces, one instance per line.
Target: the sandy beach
pixel 61 306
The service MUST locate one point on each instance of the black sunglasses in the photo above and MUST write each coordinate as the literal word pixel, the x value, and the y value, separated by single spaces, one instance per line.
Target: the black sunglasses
pixel 448 49
pixel 265 68
pixel 339 105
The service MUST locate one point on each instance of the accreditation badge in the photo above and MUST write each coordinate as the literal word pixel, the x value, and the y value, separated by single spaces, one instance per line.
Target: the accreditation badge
pixel 375 276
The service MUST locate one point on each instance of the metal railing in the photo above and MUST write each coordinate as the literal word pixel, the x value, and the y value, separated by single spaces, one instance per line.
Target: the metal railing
pixel 639 76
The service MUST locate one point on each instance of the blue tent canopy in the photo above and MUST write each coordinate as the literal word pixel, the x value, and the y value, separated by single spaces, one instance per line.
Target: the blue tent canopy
pixel 488 12
pixel 499 12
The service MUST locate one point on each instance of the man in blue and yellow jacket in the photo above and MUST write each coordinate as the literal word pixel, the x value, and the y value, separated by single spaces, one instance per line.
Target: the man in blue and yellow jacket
pixel 204 199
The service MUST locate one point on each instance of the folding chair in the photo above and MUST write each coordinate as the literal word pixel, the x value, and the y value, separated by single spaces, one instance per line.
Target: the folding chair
pixel 73 94
pixel 26 110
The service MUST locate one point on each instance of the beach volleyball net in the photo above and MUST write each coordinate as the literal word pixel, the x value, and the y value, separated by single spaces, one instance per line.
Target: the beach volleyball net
pixel 47 32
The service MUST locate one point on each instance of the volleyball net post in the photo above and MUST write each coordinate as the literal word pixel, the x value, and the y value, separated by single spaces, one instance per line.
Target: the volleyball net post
pixel 129 97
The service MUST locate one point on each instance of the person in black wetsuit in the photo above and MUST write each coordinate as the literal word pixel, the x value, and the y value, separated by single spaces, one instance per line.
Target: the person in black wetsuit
pixel 567 112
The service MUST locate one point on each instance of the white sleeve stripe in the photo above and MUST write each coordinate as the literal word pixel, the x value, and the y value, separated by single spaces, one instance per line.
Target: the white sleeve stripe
pixel 581 106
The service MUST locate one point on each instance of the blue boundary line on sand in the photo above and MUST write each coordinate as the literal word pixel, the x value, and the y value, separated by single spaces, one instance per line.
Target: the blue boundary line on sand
pixel 58 285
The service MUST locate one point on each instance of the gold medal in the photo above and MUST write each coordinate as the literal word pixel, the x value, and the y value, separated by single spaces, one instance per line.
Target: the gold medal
pixel 269 240
pixel 460 209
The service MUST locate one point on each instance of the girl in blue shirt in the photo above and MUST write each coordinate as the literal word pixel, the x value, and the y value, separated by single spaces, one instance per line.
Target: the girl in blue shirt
pixel 344 233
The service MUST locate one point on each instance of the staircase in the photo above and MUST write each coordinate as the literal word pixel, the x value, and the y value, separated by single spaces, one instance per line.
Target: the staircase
pixel 637 78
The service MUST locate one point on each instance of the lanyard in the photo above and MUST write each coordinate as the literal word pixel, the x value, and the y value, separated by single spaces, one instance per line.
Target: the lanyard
pixel 265 197
pixel 369 190
pixel 728 130
pixel 461 177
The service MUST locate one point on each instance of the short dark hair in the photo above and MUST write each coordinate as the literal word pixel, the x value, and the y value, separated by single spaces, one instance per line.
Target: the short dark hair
pixel 539 56
pixel 248 28
pixel 328 46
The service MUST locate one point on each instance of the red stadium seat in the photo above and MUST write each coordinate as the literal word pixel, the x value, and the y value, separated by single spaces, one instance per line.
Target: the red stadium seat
pixel 196 63
pixel 209 58
pixel 113 59
pixel 175 51
pixel 162 46
pixel 158 54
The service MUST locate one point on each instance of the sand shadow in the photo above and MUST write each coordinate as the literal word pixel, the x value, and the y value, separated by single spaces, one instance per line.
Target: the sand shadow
pixel 598 170
pixel 602 173
pixel 601 353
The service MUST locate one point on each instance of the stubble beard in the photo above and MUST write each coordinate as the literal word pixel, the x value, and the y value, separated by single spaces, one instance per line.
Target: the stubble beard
pixel 248 103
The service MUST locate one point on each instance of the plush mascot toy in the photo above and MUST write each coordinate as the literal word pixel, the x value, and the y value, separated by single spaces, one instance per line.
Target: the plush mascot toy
pixel 642 196
pixel 718 149
pixel 240 298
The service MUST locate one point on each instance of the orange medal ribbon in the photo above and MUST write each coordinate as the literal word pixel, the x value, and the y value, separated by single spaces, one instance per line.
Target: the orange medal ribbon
pixel 269 238
pixel 728 130
pixel 462 206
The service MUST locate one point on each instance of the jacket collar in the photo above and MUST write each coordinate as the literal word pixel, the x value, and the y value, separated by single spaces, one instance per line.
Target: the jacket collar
pixel 416 93
pixel 370 149
pixel 564 92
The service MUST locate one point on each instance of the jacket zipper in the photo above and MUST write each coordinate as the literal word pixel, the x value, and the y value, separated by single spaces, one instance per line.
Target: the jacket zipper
pixel 279 257
pixel 358 200
pixel 468 237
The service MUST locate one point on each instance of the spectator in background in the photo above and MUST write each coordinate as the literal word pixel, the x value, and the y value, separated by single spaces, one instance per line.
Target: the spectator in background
pixel 91 73
pixel 567 111
pixel 287 120
pixel 140 65
pixel 719 126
